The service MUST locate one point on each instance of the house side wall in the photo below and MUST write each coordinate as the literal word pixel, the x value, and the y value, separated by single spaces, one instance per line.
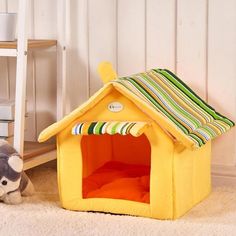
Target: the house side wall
pixel 161 180
pixel 192 177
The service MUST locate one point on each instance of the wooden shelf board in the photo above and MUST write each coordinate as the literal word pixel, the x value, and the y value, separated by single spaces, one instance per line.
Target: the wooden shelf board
pixel 39 160
pixel 32 43
pixel 34 149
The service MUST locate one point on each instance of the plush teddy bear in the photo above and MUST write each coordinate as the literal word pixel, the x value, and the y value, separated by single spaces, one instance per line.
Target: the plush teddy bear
pixel 14 183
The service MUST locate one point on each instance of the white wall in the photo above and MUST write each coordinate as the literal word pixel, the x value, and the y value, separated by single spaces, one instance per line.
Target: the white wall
pixel 195 39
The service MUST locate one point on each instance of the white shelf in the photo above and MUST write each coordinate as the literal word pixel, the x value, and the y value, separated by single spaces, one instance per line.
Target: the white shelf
pixel 33 153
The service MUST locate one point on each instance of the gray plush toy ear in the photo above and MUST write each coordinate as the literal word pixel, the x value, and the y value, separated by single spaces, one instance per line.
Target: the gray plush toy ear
pixel 16 163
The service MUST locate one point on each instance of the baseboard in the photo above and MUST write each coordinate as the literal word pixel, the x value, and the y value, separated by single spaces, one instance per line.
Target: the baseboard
pixel 223 175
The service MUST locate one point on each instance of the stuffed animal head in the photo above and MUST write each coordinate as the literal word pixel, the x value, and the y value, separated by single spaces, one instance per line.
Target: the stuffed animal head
pixel 14 183
pixel 10 173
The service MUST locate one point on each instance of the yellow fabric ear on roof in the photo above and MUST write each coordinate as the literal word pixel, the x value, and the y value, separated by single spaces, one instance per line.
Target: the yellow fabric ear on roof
pixel 106 72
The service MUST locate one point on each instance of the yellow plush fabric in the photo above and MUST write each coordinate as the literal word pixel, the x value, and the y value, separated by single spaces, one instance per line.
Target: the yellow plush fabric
pixel 106 72
pixel 179 175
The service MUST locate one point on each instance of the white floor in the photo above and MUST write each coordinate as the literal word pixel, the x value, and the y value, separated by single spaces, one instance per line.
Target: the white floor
pixel 42 215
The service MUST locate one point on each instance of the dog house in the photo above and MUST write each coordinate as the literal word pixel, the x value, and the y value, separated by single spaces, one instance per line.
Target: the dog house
pixel 140 146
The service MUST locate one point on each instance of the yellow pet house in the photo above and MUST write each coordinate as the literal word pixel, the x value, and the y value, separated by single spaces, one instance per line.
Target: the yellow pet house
pixel 140 146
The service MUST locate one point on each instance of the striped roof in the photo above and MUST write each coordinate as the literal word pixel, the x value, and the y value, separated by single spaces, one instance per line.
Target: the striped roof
pixel 166 93
pixel 166 99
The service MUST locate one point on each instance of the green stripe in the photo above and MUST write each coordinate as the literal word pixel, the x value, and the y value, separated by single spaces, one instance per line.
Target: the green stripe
pixel 123 128
pixel 113 130
pixel 197 139
pixel 98 127
pixel 129 127
pixel 90 129
pixel 103 124
pixel 80 128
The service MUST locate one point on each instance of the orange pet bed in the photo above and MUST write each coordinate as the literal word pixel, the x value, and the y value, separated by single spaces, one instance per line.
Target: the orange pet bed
pixel 119 181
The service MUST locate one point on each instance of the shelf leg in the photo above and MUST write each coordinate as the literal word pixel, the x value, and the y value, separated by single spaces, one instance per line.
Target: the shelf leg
pixel 20 96
pixel 62 17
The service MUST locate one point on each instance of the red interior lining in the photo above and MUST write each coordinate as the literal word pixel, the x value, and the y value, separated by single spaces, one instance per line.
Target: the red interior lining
pixel 119 181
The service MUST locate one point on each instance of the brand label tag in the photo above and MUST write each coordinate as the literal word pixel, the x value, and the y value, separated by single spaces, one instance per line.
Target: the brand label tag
pixel 115 107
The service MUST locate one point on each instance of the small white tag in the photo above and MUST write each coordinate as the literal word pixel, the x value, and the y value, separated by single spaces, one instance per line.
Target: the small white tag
pixel 115 107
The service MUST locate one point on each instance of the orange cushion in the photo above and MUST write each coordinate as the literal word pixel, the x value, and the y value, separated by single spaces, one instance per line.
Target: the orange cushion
pixel 119 181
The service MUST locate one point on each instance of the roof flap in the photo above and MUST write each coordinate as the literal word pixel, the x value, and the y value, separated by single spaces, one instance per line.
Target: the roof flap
pixel 110 127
